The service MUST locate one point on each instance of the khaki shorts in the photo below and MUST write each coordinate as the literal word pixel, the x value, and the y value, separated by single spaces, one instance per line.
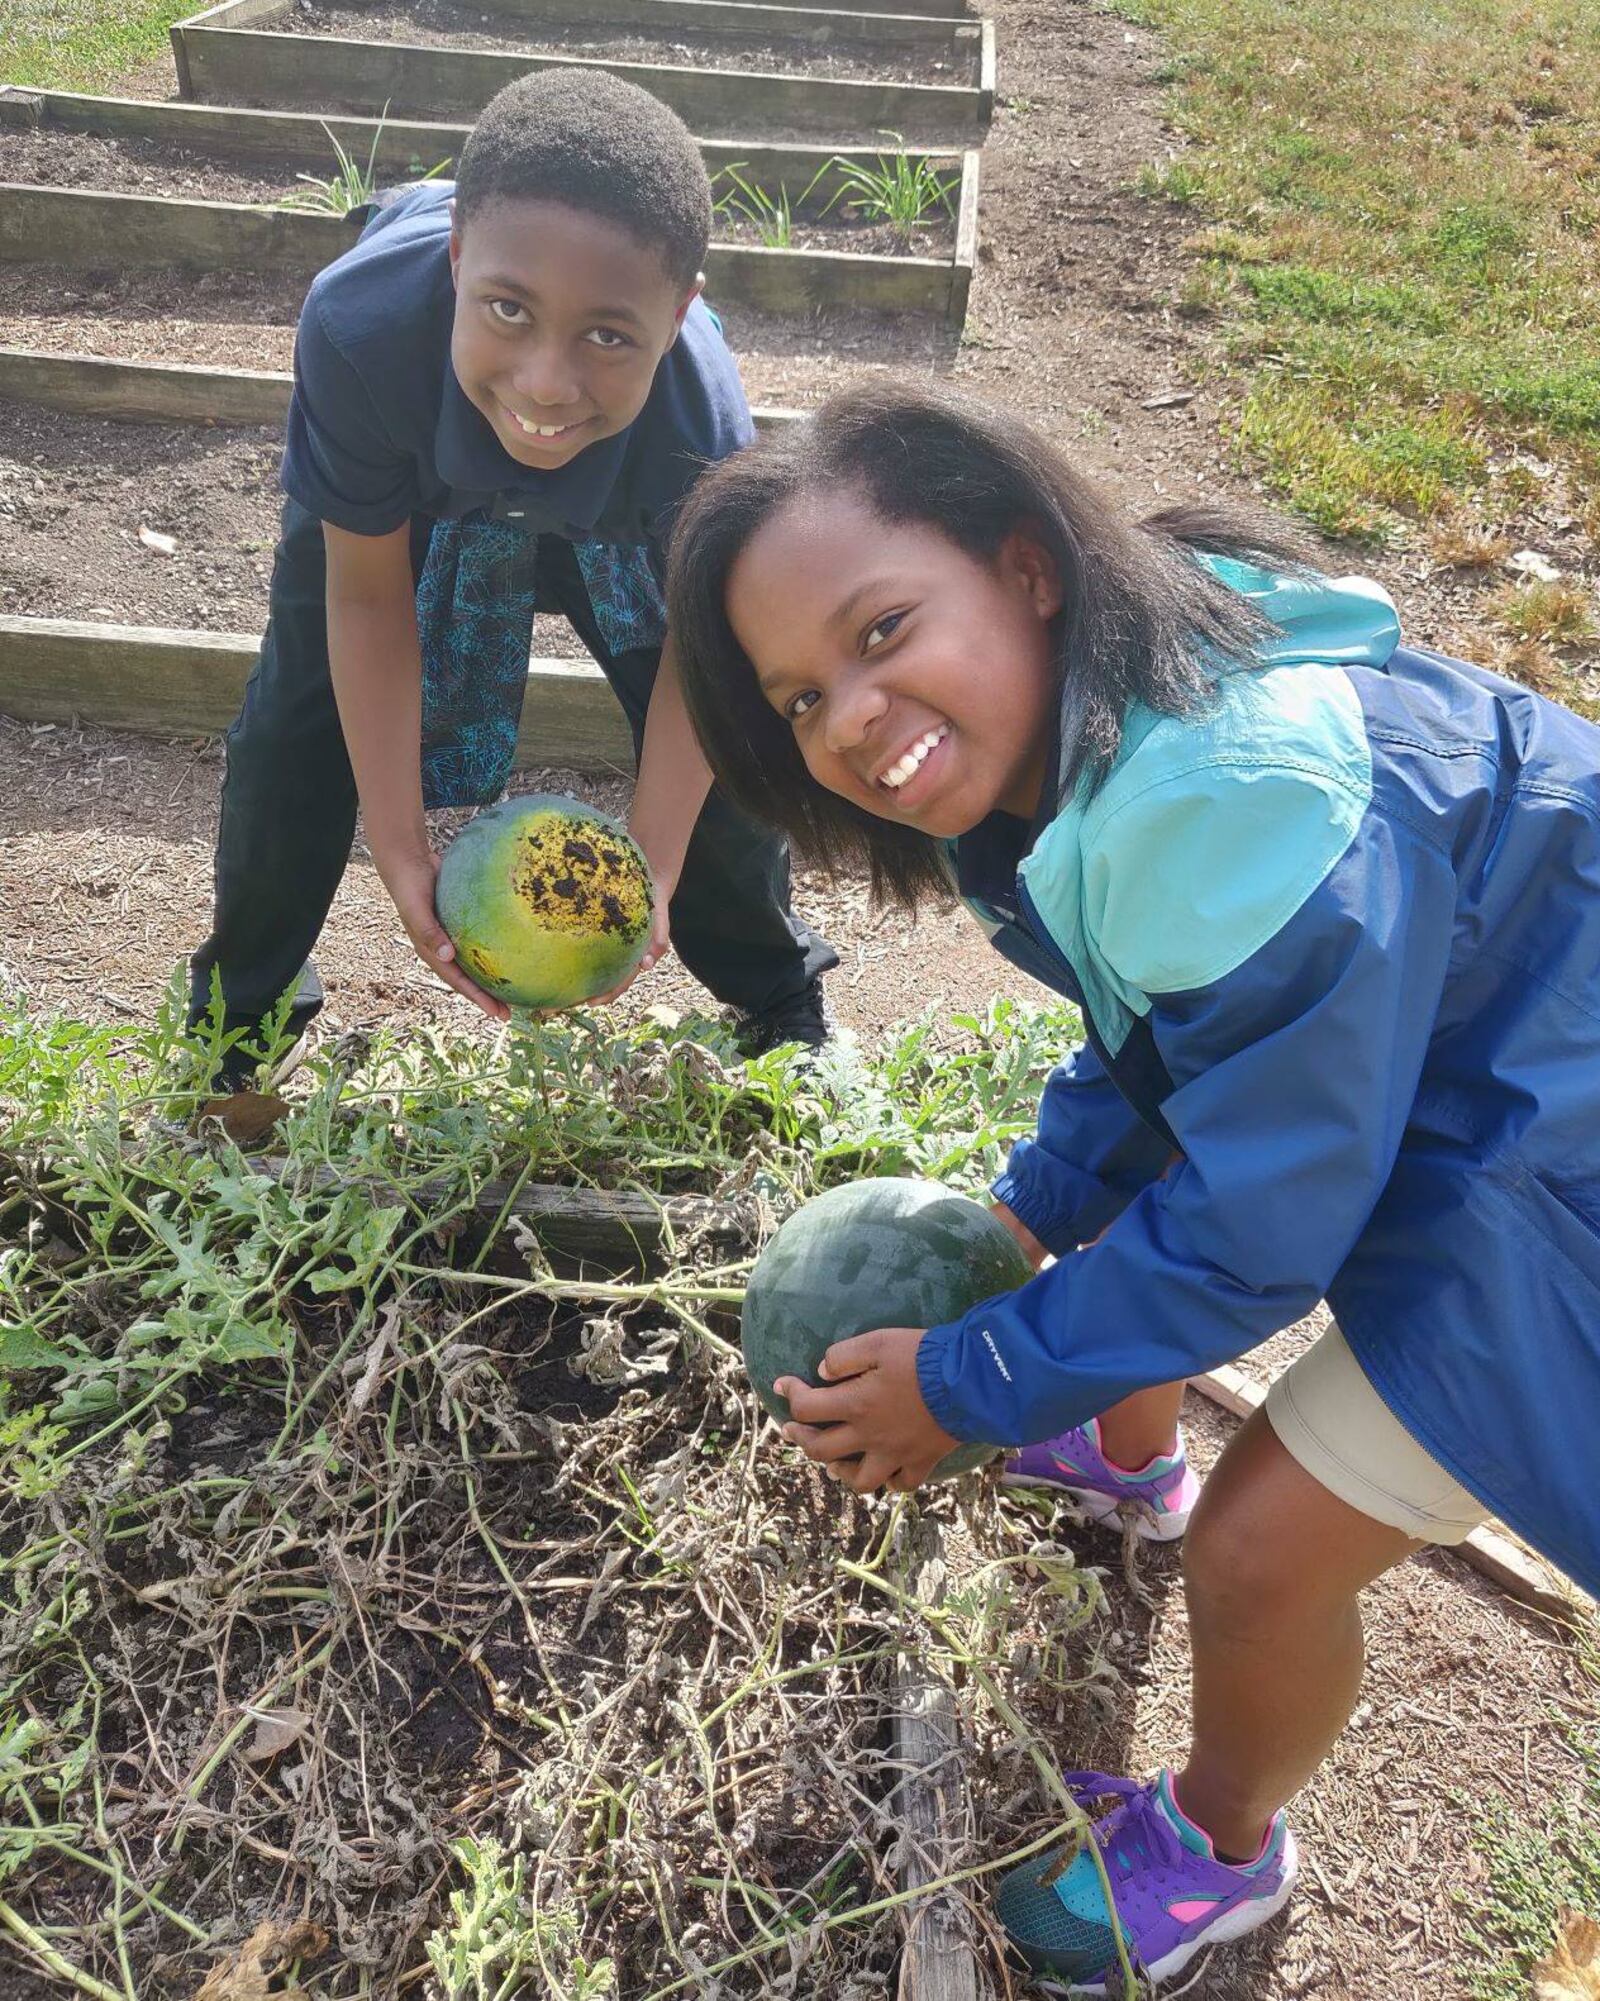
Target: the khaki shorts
pixel 1331 1420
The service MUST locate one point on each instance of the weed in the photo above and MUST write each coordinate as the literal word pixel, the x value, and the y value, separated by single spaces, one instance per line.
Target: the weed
pixel 902 189
pixel 355 183
pixel 1172 180
pixel 1558 613
pixel 1460 542
pixel 1538 1869
pixel 1202 294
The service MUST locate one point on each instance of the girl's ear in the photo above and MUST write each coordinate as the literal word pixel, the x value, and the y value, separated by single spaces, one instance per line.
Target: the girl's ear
pixel 1024 560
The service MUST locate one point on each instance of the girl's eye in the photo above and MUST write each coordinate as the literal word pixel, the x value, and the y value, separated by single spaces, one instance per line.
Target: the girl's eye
pixel 508 312
pixel 801 704
pixel 883 629
pixel 607 337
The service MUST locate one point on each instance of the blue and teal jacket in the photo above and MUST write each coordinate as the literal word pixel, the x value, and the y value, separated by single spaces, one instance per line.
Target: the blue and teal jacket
pixel 1336 941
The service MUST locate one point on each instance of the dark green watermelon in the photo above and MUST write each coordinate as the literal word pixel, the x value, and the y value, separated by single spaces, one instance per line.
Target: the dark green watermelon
pixel 890 1253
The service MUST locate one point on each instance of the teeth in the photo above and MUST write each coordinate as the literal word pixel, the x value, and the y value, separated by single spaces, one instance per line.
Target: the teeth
pixel 912 761
pixel 540 430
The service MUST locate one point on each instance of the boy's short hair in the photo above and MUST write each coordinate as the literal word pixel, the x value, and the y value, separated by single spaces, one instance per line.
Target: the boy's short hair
pixel 590 140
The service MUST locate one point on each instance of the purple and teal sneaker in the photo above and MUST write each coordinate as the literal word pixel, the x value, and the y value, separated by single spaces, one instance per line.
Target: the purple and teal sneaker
pixel 1173 1897
pixel 1158 1498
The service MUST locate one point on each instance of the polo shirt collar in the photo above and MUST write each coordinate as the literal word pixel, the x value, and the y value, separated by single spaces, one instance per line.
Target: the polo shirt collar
pixel 472 459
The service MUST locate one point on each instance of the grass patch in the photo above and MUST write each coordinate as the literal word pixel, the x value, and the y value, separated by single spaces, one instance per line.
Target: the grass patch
pixel 1403 198
pixel 83 44
pixel 1551 614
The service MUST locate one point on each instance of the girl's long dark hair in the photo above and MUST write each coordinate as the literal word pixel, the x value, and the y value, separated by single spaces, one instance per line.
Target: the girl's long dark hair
pixel 1141 619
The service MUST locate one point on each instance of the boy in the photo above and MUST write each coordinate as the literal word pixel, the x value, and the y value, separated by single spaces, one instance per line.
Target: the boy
pixel 501 393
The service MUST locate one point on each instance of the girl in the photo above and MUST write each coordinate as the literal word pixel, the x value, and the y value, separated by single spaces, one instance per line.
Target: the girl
pixel 1331 909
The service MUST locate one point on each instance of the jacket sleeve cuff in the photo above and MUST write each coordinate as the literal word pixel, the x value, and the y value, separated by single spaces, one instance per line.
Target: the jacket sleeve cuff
pixel 1064 1206
pixel 936 1391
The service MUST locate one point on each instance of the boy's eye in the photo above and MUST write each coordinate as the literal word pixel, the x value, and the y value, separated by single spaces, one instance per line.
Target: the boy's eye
pixel 799 705
pixel 880 630
pixel 607 337
pixel 508 312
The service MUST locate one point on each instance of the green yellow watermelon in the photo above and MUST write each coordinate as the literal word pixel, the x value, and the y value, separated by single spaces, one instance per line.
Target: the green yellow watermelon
pixel 887 1253
pixel 546 901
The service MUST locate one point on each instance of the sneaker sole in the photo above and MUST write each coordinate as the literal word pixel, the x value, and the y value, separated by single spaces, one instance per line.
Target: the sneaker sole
pixel 1103 1509
pixel 1235 1924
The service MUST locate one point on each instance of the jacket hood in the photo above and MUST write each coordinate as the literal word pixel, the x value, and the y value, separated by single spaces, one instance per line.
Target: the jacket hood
pixel 1336 621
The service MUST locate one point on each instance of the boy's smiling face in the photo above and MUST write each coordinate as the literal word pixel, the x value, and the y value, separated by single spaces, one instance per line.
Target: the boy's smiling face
pixel 561 321
pixel 918 680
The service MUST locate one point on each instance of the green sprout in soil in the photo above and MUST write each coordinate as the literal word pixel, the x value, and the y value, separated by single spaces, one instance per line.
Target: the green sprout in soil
pixel 770 216
pixel 355 183
pixel 904 190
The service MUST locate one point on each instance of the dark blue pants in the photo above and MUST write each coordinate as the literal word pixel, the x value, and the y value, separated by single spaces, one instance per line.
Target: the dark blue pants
pixel 289 815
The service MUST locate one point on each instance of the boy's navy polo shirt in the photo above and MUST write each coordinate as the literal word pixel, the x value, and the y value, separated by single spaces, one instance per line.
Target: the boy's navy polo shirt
pixel 380 429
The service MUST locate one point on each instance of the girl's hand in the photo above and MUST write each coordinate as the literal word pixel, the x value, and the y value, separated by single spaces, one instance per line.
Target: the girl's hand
pixel 411 885
pixel 869 1425
pixel 1033 1250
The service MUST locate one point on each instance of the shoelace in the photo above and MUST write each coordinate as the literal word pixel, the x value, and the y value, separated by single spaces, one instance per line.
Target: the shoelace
pixel 1135 1822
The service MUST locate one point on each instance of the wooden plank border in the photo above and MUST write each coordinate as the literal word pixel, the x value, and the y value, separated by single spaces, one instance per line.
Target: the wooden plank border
pixel 161 681
pixel 966 255
pixel 405 147
pixel 620 1224
pixel 143 392
pixel 175 392
pixel 931 1745
pixel 1489 1550
pixel 88 228
pixel 251 65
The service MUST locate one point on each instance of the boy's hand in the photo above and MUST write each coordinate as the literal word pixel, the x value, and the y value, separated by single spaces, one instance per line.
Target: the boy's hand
pixel 869 1425
pixel 411 885
pixel 1033 1250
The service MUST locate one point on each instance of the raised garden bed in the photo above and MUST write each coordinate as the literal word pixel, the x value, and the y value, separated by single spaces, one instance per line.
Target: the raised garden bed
pixel 88 230
pixel 295 141
pixel 236 54
pixel 416 1549
pixel 46 156
pixel 76 494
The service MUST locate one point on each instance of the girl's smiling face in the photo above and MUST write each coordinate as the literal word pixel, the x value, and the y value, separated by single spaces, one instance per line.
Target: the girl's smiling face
pixel 918 680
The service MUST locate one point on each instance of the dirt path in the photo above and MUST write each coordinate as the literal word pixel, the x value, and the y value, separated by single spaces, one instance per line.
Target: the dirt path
pixel 106 877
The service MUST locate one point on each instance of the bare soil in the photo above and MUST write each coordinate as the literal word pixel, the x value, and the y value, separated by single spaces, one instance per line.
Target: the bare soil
pixel 437 24
pixel 54 159
pixel 214 319
pixel 75 494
